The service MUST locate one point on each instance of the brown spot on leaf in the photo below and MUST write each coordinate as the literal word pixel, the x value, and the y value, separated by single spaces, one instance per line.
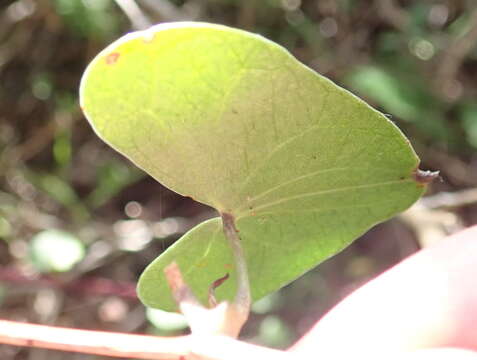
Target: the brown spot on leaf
pixel 220 281
pixel 112 58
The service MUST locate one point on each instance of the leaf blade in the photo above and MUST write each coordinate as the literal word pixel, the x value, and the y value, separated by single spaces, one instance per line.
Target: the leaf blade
pixel 234 121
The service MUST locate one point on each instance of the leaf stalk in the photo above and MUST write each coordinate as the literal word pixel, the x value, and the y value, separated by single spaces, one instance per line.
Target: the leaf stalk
pixel 242 298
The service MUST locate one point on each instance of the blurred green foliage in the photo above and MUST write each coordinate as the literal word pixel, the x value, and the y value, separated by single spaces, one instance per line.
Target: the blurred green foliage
pixel 55 251
pixel 97 19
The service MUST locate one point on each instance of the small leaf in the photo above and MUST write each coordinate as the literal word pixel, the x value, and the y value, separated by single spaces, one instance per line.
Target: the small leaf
pixel 236 122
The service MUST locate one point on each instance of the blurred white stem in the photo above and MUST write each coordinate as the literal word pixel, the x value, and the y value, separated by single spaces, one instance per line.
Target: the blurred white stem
pixel 138 19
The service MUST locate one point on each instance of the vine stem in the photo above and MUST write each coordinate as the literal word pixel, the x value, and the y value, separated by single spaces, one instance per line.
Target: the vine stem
pixel 93 342
pixel 242 298
pixel 190 347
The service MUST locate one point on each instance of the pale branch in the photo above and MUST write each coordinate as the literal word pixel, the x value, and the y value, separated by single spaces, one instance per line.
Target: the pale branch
pixel 133 346
pixel 455 54
pixel 393 14
pixel 93 342
pixel 168 11
pixel 136 16
pixel 432 218
pixel 448 200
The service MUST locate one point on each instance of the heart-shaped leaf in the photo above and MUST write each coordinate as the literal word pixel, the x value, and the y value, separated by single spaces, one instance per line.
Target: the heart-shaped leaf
pixel 236 122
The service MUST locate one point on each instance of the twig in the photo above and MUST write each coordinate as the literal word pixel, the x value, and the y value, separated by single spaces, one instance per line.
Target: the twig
pixel 133 346
pixel 167 11
pixel 450 199
pixel 431 217
pixel 456 53
pixel 246 14
pixel 454 169
pixel 93 342
pixel 37 140
pixel 393 14
pixel 138 19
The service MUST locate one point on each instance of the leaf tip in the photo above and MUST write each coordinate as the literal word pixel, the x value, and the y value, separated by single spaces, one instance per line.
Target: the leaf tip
pixel 148 36
pixel 424 177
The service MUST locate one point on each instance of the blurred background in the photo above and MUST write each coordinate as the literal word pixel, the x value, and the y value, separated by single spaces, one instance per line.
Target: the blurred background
pixel 78 222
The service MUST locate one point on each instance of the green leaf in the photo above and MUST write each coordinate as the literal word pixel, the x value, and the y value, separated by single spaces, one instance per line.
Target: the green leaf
pixel 236 122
